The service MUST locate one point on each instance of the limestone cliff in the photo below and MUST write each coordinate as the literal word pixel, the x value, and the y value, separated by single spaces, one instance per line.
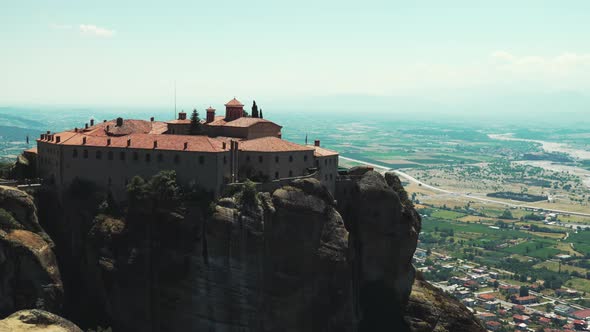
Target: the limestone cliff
pixel 36 321
pixel 296 259
pixel 431 310
pixel 29 275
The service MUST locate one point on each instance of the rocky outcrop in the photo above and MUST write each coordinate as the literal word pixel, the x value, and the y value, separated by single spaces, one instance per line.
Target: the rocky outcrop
pixel 23 210
pixel 296 259
pixel 37 321
pixel 431 310
pixel 29 275
pixel 276 265
pixel 384 230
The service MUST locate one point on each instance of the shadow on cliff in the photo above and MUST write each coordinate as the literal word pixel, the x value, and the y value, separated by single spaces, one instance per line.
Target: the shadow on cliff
pixel 297 259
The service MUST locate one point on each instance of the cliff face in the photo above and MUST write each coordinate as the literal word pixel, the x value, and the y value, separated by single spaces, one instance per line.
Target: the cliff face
pixel 29 275
pixel 292 260
pixel 431 310
pixel 279 265
pixel 384 230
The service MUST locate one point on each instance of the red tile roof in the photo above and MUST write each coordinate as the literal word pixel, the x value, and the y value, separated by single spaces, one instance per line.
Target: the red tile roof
pixel 218 121
pixel 32 150
pixel 581 314
pixel 242 122
pixel 271 144
pixel 321 152
pixel 544 320
pixel 187 121
pixel 487 297
pixel 146 141
pixel 130 126
pixel 526 298
pixel 234 103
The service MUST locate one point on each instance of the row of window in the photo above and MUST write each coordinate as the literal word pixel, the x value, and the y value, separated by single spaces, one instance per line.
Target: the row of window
pixel 261 159
pixel 135 156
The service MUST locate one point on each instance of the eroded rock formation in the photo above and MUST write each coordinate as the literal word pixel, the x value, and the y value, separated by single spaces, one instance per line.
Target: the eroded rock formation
pixel 292 260
pixel 29 275
pixel 431 310
pixel 384 230
pixel 36 321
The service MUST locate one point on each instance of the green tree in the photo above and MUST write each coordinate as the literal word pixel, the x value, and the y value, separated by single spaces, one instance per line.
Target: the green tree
pixel 195 122
pixel 254 110
pixel 524 291
pixel 496 284
pixel 249 193
pixel 164 189
pixel 137 190
pixel 262 117
pixel 506 214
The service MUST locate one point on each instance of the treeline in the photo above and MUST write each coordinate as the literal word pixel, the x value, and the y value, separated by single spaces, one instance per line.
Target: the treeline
pixel 524 197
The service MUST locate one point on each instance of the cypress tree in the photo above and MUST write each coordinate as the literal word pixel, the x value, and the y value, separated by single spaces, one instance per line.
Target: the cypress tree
pixel 261 114
pixel 254 110
pixel 195 122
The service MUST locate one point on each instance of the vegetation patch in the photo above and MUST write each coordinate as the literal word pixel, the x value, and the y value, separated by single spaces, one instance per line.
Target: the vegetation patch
pixel 523 197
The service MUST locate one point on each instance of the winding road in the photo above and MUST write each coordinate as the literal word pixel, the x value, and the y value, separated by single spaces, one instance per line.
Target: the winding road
pixel 425 185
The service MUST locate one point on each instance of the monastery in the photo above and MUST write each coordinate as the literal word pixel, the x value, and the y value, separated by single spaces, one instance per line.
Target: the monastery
pixel 224 150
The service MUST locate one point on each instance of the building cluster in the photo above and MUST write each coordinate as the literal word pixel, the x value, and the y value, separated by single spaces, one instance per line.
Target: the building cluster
pixel 211 153
pixel 498 304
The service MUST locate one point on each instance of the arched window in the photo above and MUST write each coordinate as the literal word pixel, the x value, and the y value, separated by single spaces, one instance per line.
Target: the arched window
pixel 85 154
pixel 135 156
pixel 201 160
pixel 98 154
pixel 110 155
pixel 290 159
pixel 224 160
pixel 148 157
pixel 276 175
pixel 277 159
pixel 290 173
pixel 305 158
pixel 259 159
pixel 160 157
pixel 75 153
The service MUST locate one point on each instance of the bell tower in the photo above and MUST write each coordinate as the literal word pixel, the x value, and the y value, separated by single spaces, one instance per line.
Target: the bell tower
pixel 234 109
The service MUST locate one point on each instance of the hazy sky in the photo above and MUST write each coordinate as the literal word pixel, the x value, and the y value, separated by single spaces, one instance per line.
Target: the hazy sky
pixel 131 52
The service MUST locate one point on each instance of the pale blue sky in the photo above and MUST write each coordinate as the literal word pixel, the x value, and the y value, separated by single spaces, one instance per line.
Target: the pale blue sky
pixel 57 52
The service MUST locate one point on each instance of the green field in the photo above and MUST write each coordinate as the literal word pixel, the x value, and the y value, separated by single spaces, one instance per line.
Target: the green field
pixel 579 284
pixel 581 241
pixel 541 249
pixel 554 266
pixel 446 214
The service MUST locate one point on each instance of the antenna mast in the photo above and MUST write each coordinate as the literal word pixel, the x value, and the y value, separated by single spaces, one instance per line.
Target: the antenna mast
pixel 174 101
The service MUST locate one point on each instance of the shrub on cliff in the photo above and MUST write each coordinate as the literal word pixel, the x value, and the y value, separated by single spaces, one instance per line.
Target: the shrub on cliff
pixel 164 189
pixel 249 194
pixel 7 221
pixel 161 190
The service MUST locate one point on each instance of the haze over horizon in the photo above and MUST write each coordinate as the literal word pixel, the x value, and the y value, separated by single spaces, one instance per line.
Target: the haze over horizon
pixel 381 55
